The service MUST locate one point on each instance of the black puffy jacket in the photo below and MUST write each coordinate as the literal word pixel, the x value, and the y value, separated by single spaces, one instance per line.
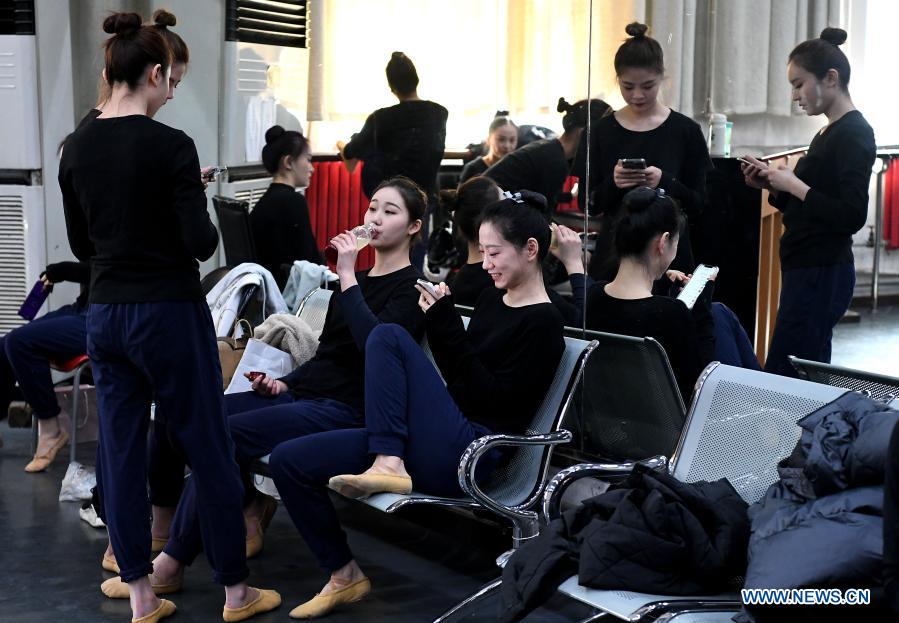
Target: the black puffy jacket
pixel 821 525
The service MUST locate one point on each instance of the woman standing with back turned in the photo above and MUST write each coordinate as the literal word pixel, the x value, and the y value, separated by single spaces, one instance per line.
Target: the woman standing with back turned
pixel 824 202
pixel 135 207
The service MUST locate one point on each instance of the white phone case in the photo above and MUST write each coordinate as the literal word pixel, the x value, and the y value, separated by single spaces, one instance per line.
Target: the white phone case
pixel 694 288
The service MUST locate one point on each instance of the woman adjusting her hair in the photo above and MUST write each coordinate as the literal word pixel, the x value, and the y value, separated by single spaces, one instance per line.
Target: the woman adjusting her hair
pixel 824 201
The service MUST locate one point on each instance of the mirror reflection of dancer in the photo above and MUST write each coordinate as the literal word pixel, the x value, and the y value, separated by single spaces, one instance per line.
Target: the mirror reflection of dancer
pixel 127 183
pixel 824 201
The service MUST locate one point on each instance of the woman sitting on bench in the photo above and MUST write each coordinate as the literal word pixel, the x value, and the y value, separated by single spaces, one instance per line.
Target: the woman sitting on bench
pixel 497 373
pixel 646 239
pixel 326 392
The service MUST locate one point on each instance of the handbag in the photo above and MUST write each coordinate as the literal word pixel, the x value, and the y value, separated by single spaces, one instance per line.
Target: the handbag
pixel 231 351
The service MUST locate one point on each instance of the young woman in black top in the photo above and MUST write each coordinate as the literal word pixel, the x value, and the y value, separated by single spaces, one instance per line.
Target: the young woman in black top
pixel 497 374
pixel 467 204
pixel 824 202
pixel 671 144
pixel 405 139
pixel 128 183
pixel 280 220
pixel 502 138
pixel 543 166
pixel 646 240
pixel 325 393
pixel 165 465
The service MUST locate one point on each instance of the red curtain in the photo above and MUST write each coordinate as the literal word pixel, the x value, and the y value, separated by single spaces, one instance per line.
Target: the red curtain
pixel 337 203
pixel 891 205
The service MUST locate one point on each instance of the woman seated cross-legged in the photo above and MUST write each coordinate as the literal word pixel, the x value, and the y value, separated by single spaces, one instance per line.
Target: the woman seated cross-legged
pixel 326 392
pixel 646 241
pixel 416 428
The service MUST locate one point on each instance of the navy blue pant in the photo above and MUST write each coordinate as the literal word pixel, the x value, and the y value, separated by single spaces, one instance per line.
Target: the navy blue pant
pixel 60 334
pixel 732 345
pixel 891 523
pixel 408 413
pixel 812 302
pixel 258 424
pixel 166 351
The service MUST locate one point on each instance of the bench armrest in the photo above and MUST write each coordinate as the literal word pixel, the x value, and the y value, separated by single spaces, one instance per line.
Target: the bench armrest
pixel 552 496
pixel 477 448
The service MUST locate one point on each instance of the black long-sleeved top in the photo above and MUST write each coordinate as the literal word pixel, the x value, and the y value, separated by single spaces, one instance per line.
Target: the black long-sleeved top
pixel 471 280
pixel 136 209
pixel 837 168
pixel 677 147
pixel 473 169
pixel 688 338
pixel 336 370
pixel 282 231
pixel 405 139
pixel 74 272
pixel 539 166
pixel 497 372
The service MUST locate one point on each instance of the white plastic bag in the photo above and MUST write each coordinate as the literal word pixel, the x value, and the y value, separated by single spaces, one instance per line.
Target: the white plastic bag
pixel 259 357
pixel 77 484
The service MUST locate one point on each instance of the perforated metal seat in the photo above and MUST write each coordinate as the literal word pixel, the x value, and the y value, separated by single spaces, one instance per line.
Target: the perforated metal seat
pixel 629 405
pixel 314 308
pixel 517 486
pixel 878 386
pixel 740 424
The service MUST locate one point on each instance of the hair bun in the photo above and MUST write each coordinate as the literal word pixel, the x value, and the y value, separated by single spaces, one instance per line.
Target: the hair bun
pixel 121 23
pixel 636 30
pixel 836 36
pixel 501 113
pixel 449 199
pixel 397 56
pixel 164 19
pixel 274 133
pixel 563 106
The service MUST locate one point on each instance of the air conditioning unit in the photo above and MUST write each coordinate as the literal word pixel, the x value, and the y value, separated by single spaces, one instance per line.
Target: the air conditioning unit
pixel 22 248
pixel 20 130
pixel 265 75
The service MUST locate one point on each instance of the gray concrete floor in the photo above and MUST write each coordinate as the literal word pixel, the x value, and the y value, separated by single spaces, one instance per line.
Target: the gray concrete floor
pixel 50 559
pixel 872 343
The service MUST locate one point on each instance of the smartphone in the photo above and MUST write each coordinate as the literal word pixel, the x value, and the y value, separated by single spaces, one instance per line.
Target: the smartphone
pixel 430 287
pixel 752 164
pixel 634 163
pixel 213 174
pixel 255 374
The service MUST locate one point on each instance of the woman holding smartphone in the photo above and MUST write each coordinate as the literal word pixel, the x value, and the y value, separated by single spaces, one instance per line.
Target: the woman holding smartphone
pixel 497 373
pixel 824 202
pixel 646 242
pixel 125 180
pixel 645 143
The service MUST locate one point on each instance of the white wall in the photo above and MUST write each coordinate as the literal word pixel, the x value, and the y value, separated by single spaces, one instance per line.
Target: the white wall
pixel 57 113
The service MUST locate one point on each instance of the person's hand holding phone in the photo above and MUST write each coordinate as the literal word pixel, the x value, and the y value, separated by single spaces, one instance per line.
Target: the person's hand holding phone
pixel 430 294
pixel 264 385
pixel 755 172
pixel 628 177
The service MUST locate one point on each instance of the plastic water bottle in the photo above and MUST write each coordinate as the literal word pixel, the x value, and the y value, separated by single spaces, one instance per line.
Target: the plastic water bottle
pixel 717 135
pixel 363 237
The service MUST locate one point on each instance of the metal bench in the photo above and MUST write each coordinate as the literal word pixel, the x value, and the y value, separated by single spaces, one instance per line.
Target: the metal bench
pixel 515 488
pixel 740 424
pixel 878 386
